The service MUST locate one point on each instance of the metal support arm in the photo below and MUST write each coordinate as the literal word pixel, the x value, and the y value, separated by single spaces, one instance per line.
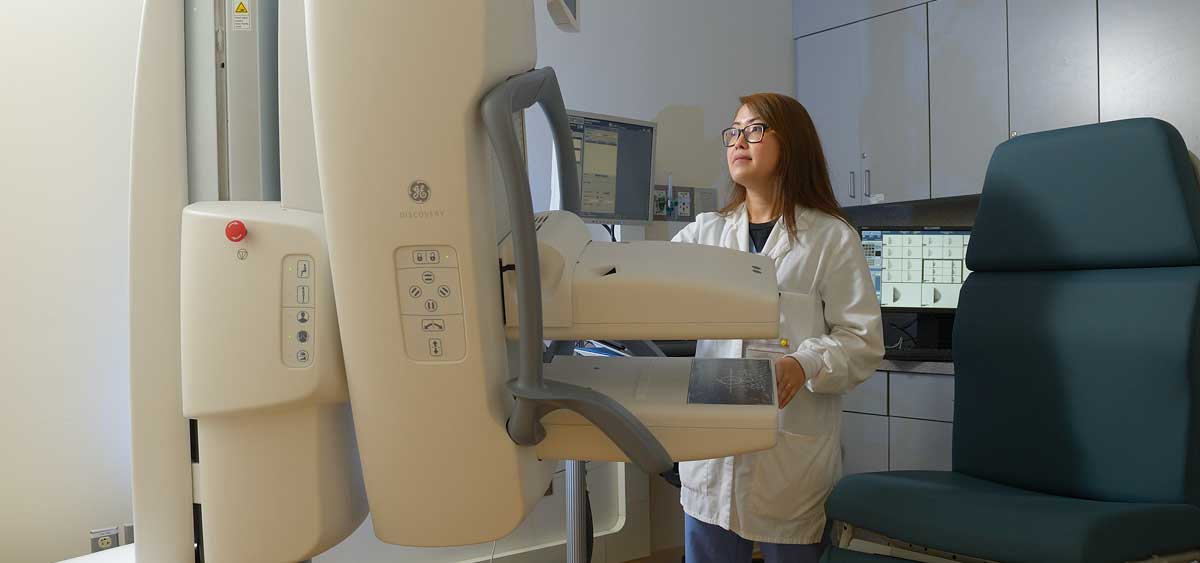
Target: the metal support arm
pixel 536 396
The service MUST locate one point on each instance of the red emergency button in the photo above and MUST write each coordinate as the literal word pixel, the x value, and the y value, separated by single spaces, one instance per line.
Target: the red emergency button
pixel 235 231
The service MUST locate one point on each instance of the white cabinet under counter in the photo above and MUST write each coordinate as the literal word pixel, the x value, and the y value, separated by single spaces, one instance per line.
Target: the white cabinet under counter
pixel 921 396
pixel 900 420
pixel 864 443
pixel 870 397
pixel 919 445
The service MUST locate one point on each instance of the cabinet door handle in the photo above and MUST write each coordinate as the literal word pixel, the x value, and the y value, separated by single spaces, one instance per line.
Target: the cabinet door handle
pixel 851 184
pixel 867 186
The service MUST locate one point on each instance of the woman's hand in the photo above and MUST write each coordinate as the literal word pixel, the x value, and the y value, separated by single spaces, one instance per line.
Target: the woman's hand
pixel 789 378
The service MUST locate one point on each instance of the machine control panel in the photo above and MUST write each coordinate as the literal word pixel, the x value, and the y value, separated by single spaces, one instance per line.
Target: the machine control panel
pixel 431 307
pixel 298 320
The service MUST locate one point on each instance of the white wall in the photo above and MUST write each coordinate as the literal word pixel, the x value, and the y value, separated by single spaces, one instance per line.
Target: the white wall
pixel 680 63
pixel 64 158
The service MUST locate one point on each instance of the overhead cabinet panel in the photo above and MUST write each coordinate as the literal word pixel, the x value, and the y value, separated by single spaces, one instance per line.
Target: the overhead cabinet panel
pixel 968 92
pixel 1150 63
pixel 894 125
pixel 829 84
pixel 1053 72
pixel 812 16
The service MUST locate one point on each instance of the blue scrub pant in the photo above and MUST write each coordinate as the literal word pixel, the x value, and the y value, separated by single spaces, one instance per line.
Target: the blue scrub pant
pixel 706 543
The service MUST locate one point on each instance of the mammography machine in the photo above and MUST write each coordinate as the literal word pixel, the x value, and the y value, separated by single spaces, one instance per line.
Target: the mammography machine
pixel 446 287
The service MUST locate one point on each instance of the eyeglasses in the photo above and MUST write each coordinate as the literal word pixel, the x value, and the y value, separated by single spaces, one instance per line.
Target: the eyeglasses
pixel 753 132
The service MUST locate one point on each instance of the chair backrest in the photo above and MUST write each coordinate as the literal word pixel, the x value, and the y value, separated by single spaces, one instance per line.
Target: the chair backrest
pixel 1077 338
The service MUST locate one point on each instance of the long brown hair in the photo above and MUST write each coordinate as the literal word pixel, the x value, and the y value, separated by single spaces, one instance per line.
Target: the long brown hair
pixel 802 176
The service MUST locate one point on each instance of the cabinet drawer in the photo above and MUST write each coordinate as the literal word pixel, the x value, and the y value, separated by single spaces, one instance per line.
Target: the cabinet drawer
pixel 864 443
pixel 870 397
pixel 918 395
pixel 919 445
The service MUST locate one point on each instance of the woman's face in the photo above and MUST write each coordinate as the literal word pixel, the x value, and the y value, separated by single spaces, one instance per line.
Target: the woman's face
pixel 752 164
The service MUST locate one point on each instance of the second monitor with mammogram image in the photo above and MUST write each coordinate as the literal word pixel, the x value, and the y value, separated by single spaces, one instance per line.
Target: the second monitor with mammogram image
pixel 917 267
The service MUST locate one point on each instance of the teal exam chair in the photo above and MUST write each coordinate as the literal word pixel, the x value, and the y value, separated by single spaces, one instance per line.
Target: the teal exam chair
pixel 1077 365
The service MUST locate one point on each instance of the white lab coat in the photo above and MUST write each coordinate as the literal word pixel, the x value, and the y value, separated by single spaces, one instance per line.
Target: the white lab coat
pixel 830 316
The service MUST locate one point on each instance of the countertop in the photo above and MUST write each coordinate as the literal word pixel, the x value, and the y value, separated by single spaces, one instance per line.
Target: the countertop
pixel 938 368
pixel 123 554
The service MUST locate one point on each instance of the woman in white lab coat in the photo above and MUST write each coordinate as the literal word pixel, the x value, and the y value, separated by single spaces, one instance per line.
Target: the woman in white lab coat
pixel 831 339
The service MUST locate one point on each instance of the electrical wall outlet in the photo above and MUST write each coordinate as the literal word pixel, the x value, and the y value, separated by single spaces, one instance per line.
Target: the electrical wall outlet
pixel 684 204
pixel 105 538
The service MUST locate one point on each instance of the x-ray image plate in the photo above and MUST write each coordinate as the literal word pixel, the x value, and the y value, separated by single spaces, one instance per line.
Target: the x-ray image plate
pixel 731 382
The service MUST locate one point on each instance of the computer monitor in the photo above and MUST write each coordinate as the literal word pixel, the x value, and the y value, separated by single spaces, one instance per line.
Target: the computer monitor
pixel 614 157
pixel 917 268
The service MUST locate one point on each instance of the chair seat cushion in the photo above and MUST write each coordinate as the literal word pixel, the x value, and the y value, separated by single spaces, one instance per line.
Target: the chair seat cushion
pixel 962 514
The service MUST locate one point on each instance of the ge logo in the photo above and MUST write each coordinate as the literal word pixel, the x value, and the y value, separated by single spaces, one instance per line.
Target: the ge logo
pixel 242 254
pixel 419 191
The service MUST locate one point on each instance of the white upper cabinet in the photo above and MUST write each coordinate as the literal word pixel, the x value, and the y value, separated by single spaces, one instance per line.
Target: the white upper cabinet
pixel 829 84
pixel 812 16
pixel 1053 72
pixel 894 125
pixel 1150 63
pixel 968 92
pixel 866 87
